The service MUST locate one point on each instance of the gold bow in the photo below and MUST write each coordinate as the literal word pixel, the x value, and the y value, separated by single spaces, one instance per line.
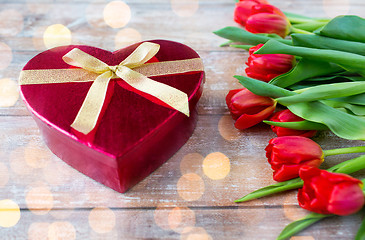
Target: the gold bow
pixel 89 112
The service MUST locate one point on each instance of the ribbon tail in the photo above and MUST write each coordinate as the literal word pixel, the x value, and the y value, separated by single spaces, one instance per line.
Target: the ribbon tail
pixel 90 110
pixel 173 97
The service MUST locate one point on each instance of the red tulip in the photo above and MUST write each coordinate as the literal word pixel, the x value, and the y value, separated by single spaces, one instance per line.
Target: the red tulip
pixel 266 8
pixel 243 10
pixel 267 19
pixel 267 66
pixel 288 154
pixel 287 116
pixel 330 193
pixel 247 108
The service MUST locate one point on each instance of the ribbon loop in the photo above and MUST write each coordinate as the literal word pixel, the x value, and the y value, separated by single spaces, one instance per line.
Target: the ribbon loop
pixel 141 55
pixel 78 58
pixel 90 110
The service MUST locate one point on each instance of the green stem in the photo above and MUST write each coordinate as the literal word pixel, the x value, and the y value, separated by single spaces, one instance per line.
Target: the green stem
pixel 226 43
pixel 361 231
pixel 347 167
pixel 297 30
pixel 246 47
pixel 330 152
pixel 272 189
pixel 301 224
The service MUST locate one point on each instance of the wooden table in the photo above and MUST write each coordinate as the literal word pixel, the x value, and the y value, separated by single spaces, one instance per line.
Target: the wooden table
pixel 179 200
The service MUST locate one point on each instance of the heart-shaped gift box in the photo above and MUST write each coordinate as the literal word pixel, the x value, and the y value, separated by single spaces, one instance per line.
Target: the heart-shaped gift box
pixel 135 131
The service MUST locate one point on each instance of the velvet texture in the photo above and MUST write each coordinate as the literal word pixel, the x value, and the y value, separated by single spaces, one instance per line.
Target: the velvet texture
pixel 134 135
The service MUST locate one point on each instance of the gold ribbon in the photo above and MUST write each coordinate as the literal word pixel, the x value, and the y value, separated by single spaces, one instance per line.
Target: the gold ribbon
pixel 102 73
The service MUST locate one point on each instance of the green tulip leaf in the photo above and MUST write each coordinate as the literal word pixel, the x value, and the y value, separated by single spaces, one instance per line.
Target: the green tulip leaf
pixel 245 47
pixel 240 35
pixel 301 125
pixel 309 26
pixel 272 189
pixel 340 123
pixel 358 99
pixel 349 27
pixel 262 88
pixel 305 69
pixel 316 41
pixel 324 91
pixel 358 110
pixel 350 61
pixel 337 78
pixel 301 224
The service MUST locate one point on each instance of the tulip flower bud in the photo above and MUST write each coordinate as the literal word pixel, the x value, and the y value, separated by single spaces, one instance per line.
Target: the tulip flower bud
pixel 264 19
pixel 287 116
pixel 330 193
pixel 267 66
pixel 243 10
pixel 288 154
pixel 249 109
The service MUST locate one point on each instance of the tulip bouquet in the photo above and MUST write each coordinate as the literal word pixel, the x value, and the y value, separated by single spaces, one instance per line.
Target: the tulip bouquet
pixel 314 69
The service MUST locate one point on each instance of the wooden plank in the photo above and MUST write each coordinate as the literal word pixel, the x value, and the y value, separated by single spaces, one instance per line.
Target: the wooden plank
pixel 176 222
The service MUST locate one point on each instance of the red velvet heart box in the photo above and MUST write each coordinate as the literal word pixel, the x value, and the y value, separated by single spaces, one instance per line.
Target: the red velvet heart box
pixel 134 136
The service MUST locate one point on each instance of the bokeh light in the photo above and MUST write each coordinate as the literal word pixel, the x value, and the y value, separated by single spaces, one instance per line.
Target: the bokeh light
pixel 185 8
pixel 38 231
pixel 9 93
pixel 181 217
pixel 161 215
pixel 190 187
pixel 11 22
pixel 117 14
pixel 334 8
pixel 9 213
pixel 126 37
pixel 57 35
pixel 6 56
pixel 4 174
pixel 39 200
pixel 57 172
pixel 17 162
pixel 227 130
pixel 195 233
pixel 36 155
pixel 302 238
pixel 192 163
pixel 109 235
pixel 293 212
pixel 61 200
pixel 216 166
pixel 61 231
pixel 102 219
